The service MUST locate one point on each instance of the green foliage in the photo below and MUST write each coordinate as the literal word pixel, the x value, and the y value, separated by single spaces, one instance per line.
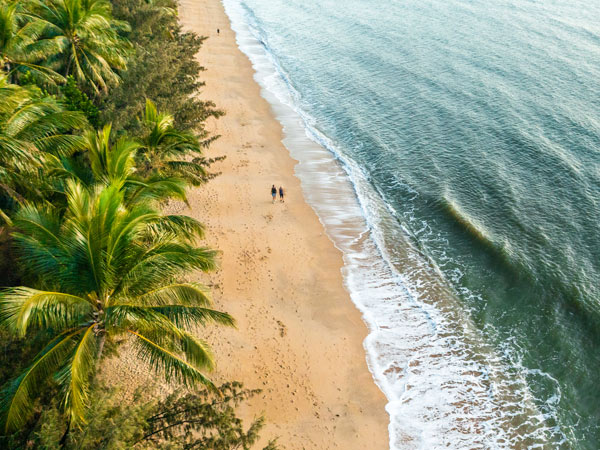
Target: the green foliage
pixel 163 68
pixel 203 420
pixel 112 424
pixel 196 420
pixel 27 79
pixel 106 162
pixel 89 41
pixel 52 39
pixel 15 354
pixel 23 44
pixel 168 152
pixel 98 262
pixel 104 272
pixel 76 100
pixel 35 130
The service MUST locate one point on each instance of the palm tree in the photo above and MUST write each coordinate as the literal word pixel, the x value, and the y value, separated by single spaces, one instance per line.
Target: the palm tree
pixel 116 163
pixel 108 163
pixel 33 130
pixel 104 272
pixel 162 7
pixel 166 151
pixel 91 46
pixel 22 42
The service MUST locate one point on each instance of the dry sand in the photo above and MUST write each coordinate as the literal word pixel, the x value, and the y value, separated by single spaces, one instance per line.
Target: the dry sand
pixel 299 336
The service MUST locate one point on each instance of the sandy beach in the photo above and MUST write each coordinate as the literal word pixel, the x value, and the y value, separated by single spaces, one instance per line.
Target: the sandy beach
pixel 299 336
pixel 431 280
pixel 458 245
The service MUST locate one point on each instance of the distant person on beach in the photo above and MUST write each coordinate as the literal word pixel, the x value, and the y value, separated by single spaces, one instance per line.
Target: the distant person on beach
pixel 218 31
pixel 281 194
pixel 273 193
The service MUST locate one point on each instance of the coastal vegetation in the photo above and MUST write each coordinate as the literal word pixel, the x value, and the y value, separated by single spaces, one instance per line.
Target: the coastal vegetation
pixel 100 125
pixel 189 420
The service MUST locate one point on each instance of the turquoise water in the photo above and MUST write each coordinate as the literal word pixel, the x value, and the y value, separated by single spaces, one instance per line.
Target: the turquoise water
pixel 474 128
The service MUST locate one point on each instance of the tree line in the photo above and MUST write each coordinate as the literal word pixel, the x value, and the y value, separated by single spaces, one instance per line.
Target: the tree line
pixel 89 152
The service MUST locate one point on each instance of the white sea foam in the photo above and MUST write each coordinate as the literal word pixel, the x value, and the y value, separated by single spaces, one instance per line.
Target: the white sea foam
pixel 446 388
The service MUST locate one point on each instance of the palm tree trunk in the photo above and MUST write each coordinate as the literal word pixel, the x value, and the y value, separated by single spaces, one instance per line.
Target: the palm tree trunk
pixel 63 439
pixel 9 72
pixel 100 332
pixel 68 68
pixel 100 347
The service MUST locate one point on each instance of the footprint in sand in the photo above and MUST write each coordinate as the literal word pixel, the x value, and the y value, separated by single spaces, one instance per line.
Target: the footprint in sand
pixel 282 328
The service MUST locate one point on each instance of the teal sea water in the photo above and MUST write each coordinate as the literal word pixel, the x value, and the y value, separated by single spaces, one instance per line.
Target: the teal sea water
pixel 469 134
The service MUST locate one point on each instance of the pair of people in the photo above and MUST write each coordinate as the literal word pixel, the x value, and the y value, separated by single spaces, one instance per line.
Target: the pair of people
pixel 274 193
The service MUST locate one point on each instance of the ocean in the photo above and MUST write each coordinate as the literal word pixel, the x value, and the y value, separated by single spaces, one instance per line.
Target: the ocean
pixel 451 150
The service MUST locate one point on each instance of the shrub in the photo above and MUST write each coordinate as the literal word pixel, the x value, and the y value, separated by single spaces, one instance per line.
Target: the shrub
pixel 200 420
pixel 76 100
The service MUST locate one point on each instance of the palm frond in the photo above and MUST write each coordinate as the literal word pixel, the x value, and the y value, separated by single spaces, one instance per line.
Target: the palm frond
pixel 110 163
pixel 156 188
pixel 167 150
pixel 23 309
pixel 156 326
pixel 164 260
pixel 172 366
pixel 196 351
pixel 185 294
pixel 17 398
pixel 194 172
pixel 5 219
pixel 191 316
pixel 123 316
pixel 79 372
pixel 105 265
pixel 184 226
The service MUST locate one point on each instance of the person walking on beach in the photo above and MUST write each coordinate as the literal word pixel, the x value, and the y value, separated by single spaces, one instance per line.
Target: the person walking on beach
pixel 218 31
pixel 273 193
pixel 281 194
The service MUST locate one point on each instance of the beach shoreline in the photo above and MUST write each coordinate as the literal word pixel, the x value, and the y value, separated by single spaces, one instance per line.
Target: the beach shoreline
pixel 299 335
